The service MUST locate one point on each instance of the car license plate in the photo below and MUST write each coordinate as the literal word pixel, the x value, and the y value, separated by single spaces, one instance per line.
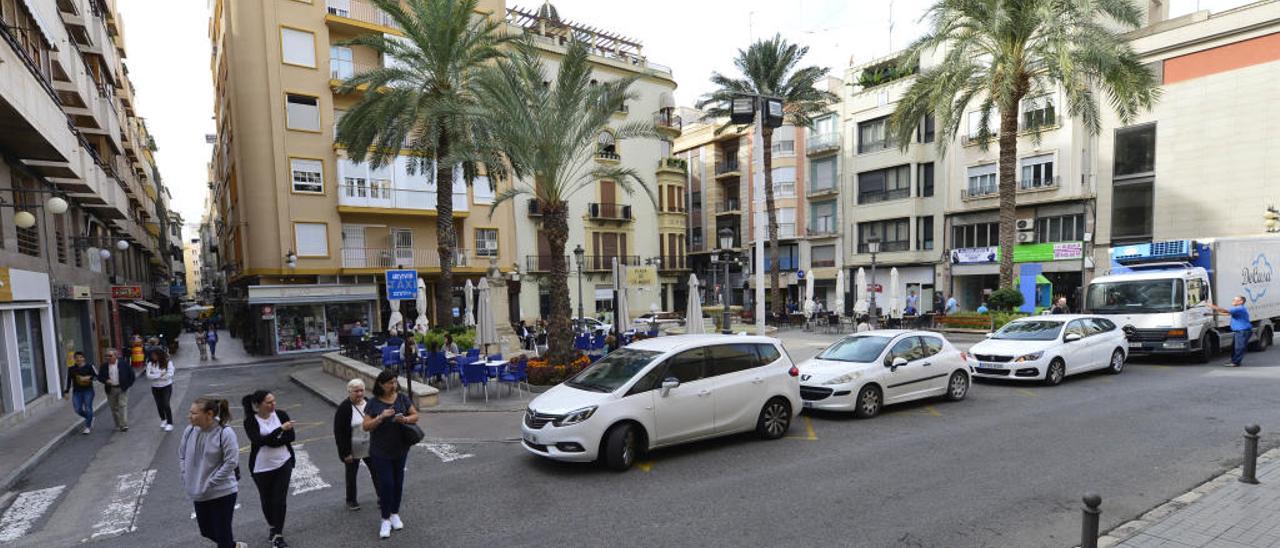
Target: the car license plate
pixel 1135 345
pixel 531 438
pixel 808 404
pixel 990 365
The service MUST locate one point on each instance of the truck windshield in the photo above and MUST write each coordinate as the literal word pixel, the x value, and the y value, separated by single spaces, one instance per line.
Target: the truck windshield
pixel 1135 296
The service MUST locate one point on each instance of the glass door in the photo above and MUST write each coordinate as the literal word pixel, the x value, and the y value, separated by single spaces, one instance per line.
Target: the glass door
pixel 30 354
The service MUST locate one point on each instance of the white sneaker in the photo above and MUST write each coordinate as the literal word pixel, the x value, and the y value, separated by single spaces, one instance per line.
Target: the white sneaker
pixel 385 530
pixel 396 524
pixel 162 423
pixel 168 427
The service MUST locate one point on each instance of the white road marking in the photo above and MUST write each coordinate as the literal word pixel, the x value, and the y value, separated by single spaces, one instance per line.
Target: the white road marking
pixel 25 510
pixel 120 515
pixel 306 477
pixel 445 451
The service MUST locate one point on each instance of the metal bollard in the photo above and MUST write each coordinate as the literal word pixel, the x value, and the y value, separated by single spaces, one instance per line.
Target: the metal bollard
pixel 1248 472
pixel 1089 525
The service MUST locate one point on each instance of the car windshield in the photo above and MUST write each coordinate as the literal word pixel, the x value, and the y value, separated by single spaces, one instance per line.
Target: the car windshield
pixel 613 371
pixel 1132 296
pixel 1034 330
pixel 856 349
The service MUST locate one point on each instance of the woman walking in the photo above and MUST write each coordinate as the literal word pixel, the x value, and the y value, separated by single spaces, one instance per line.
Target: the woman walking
pixel 160 371
pixel 202 344
pixel 384 418
pixel 209 460
pixel 211 339
pixel 353 441
pixel 271 458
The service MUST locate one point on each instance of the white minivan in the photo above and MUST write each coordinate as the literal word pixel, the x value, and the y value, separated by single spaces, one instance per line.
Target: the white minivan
pixel 665 391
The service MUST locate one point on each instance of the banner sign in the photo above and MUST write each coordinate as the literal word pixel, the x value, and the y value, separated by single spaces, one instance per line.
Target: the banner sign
pixel 130 292
pixel 1025 253
pixel 971 255
pixel 402 285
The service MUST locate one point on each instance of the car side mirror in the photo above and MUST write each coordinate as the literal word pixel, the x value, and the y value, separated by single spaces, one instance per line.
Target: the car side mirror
pixel 1072 337
pixel 669 384
pixel 896 363
pixel 988 334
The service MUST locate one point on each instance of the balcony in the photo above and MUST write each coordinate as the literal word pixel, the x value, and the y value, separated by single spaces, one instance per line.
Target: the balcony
pixel 886 247
pixel 403 257
pixel 822 144
pixel 829 188
pixel 671 163
pixel 1038 184
pixel 604 155
pixel 673 263
pixel 786 230
pixel 341 69
pixel 824 227
pixel 543 263
pixel 728 167
pixel 359 16
pixel 609 212
pixel 605 262
pixel 667 122
pixel 979 192
pixel 384 199
pixel 876 197
pixel 730 206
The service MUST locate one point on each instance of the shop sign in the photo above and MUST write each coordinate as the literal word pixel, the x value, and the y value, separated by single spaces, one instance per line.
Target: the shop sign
pixel 1025 253
pixel 6 287
pixel 81 292
pixel 402 285
pixel 126 292
pixel 268 312
pixel 1068 250
pixel 641 276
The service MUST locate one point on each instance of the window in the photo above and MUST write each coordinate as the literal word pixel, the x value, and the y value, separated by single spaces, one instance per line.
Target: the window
pixel 925 131
pixel 341 8
pixel 788 257
pixel 924 233
pixel 311 239
pixel 924 180
pixel 975 235
pixel 1135 151
pixel 822 175
pixel 1133 199
pixel 784 182
pixel 1196 292
pixel 783 148
pixel 982 180
pixel 1131 210
pixel 824 217
pixel 1037 171
pixel 822 255
pixel 825 125
pixel 298 47
pixel 731 358
pixel 932 345
pixel 976 127
pixel 786 222
pixel 308 175
pixel 884 184
pixel 1076 328
pixel 768 353
pixel 1063 228
pixel 908 349
pixel 302 112
pixel 1037 112
pixel 873 135
pixel 606 146
pixel 686 366
pixel 341 63
pixel 894 235
pixel 482 191
pixel 486 242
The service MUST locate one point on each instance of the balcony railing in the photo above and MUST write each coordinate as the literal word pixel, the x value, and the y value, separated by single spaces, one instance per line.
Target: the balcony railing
pixel 605 262
pixel 825 142
pixel 671 162
pixel 727 166
pixel 383 195
pixel 731 204
pixel 1042 183
pixel 818 190
pixel 823 226
pixel 607 155
pixel 361 10
pixel 341 69
pixel 543 263
pixel 885 247
pixel 883 196
pixel 786 230
pixel 401 257
pixel 979 192
pixel 674 262
pixel 666 120
pixel 609 212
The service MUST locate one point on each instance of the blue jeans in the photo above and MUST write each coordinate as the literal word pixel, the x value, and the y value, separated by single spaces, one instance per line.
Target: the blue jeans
pixel 82 402
pixel 1241 343
pixel 390 477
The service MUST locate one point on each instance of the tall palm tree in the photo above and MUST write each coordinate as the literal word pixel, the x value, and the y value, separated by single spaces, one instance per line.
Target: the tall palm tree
pixel 996 53
pixel 547 130
pixel 422 105
pixel 770 68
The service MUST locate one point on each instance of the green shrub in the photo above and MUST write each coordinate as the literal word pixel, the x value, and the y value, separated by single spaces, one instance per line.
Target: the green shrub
pixel 1005 298
pixel 464 337
pixel 168 326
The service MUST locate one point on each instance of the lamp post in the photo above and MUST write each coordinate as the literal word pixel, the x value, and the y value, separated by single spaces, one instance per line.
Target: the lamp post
pixel 579 256
pixel 873 247
pixel 726 255
pixel 763 112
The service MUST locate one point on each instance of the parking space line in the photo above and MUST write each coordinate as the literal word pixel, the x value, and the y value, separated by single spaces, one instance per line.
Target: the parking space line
pixel 646 466
pixel 930 410
pixel 808 428
pixel 1025 392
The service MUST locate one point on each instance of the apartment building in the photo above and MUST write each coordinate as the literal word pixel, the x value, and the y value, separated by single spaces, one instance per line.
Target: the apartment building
pixel 83 215
pixel 194 271
pixel 607 224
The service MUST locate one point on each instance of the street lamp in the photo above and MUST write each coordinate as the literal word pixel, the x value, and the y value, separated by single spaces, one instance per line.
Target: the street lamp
pixel 579 257
pixel 726 252
pixel 873 247
pixel 291 259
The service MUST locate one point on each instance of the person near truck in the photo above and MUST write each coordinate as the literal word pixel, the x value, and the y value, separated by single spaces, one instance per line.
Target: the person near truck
pixel 1241 328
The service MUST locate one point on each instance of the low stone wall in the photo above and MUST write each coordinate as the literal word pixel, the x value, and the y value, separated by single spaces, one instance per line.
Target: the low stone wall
pixel 342 367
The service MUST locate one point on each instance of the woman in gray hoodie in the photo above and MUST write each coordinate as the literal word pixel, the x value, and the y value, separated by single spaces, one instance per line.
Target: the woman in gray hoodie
pixel 209 461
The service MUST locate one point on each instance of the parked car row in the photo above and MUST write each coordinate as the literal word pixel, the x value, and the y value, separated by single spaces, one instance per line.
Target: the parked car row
pixel 673 390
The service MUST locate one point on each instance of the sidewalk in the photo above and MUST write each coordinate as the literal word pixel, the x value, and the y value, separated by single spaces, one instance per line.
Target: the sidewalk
pixel 41 431
pixel 1220 513
pixel 230 352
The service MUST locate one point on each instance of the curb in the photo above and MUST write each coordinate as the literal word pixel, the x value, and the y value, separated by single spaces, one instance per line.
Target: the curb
pixel 21 470
pixel 316 391
pixel 335 401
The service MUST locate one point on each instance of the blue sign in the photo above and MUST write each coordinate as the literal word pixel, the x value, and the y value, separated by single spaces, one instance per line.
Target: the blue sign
pixel 402 285
pixel 800 274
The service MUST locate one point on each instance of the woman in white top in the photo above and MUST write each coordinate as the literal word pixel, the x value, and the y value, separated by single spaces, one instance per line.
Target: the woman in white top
pixel 352 440
pixel 271 458
pixel 160 371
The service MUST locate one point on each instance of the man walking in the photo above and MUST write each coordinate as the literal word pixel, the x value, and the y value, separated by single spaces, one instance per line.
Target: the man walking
pixel 1241 328
pixel 116 376
pixel 80 383
pixel 1060 306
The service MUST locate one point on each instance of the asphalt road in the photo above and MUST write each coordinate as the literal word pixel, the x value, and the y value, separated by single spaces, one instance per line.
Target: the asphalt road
pixel 1006 467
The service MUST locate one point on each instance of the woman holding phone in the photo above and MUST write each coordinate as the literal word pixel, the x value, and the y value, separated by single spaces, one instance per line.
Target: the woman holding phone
pixel 385 416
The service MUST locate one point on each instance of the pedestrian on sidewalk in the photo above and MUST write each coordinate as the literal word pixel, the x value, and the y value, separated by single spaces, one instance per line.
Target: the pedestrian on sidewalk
pixel 384 418
pixel 209 464
pixel 116 376
pixel 271 458
pixel 202 344
pixel 352 440
pixel 160 370
pixel 1241 328
pixel 80 383
pixel 211 338
pixel 137 354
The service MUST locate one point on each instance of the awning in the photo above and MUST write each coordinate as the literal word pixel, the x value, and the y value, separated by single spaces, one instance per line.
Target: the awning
pixel 132 306
pixel 40 26
pixel 147 304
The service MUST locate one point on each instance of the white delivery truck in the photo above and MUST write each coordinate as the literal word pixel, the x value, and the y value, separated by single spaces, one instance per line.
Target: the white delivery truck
pixel 1159 292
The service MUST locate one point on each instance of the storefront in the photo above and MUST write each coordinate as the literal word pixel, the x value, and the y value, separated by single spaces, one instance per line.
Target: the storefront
pixel 75 322
pixel 28 344
pixel 309 318
pixel 975 271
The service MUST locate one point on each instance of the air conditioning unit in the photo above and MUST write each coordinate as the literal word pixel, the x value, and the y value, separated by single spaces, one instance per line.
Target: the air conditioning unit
pixel 1026 237
pixel 1026 224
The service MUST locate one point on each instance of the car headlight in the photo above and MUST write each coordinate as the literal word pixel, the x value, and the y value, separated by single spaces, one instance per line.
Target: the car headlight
pixel 1029 357
pixel 576 416
pixel 845 378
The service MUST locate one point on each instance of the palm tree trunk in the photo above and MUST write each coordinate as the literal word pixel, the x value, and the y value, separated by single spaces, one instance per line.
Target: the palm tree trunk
pixel 775 285
pixel 446 237
pixel 555 224
pixel 1008 190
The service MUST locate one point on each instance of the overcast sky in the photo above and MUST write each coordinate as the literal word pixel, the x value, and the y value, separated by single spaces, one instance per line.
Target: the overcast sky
pixel 168 48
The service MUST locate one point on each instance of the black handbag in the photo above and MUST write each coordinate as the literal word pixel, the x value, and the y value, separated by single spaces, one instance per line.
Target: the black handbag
pixel 411 434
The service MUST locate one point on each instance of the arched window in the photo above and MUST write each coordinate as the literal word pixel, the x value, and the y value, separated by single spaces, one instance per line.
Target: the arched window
pixel 606 146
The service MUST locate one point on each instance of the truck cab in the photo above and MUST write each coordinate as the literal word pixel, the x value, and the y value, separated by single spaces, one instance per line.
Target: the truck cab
pixel 1162 306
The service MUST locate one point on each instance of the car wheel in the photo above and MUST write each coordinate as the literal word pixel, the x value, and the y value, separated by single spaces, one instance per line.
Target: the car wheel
pixel 1056 372
pixel 957 386
pixel 621 445
pixel 1206 349
pixel 870 400
pixel 775 419
pixel 1117 362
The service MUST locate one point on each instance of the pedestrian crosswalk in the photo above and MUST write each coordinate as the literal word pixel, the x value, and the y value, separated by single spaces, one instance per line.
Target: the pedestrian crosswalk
pixel 120 514
pixel 25 511
pixel 306 477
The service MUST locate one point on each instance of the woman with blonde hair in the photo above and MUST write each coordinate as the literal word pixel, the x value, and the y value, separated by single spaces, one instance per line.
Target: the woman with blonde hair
pixel 352 440
pixel 209 464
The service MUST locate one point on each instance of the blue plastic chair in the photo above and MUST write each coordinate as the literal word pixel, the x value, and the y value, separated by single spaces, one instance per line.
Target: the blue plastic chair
pixel 438 366
pixel 473 353
pixel 516 374
pixel 474 373
pixel 391 357
pixel 582 342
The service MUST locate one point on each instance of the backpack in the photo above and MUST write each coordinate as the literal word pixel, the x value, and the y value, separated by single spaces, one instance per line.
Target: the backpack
pixel 220 448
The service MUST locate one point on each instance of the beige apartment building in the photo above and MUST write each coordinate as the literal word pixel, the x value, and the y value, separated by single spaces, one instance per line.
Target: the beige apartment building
pixel 85 230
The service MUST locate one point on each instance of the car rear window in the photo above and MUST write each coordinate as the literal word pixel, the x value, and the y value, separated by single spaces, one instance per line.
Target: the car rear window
pixel 768 353
pixel 731 358
pixel 932 345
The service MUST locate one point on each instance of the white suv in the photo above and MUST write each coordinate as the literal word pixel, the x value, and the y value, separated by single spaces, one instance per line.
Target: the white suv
pixel 665 391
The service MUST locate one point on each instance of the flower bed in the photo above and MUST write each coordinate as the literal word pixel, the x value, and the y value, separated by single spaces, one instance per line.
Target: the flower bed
pixel 543 373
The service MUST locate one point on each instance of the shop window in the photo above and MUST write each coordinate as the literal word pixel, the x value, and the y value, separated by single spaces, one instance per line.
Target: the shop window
pixel 31 357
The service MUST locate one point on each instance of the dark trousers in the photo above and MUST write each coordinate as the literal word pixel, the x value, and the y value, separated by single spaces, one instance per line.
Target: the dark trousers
pixel 1241 344
pixel 389 473
pixel 162 396
pixel 214 518
pixel 213 349
pixel 273 492
pixel 353 472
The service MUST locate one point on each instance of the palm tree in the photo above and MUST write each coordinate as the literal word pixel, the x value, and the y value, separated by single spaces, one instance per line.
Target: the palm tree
pixel 547 131
pixel 996 53
pixel 769 68
pixel 423 105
